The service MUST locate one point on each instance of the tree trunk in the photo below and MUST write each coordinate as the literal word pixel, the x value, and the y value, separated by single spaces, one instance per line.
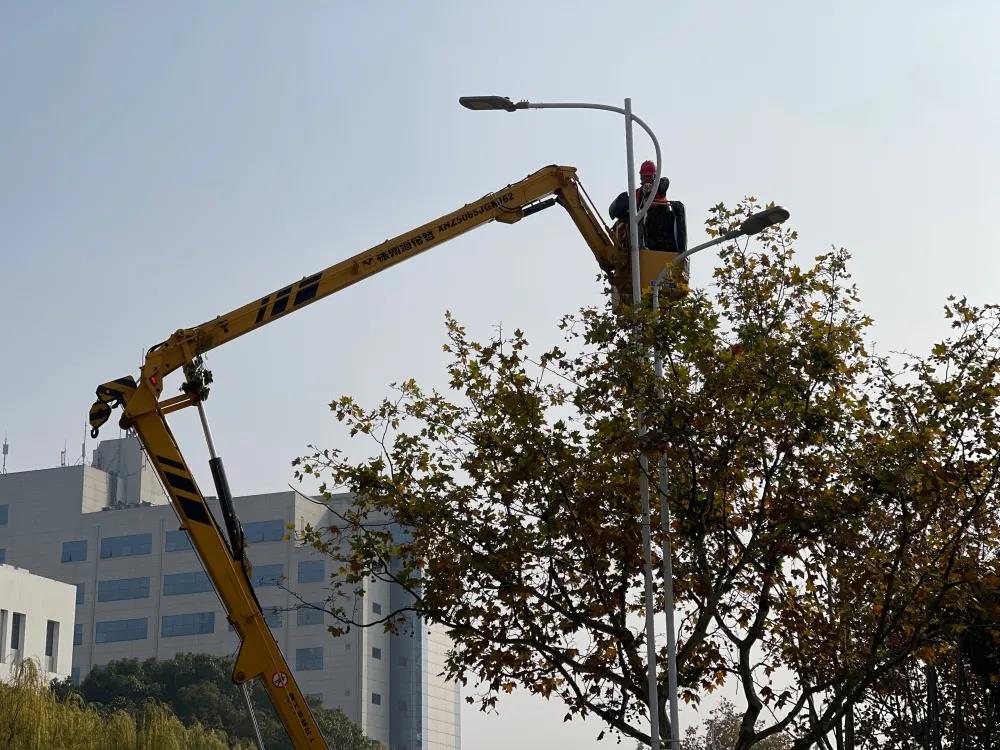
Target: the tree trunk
pixel 849 726
pixel 933 709
pixel 960 689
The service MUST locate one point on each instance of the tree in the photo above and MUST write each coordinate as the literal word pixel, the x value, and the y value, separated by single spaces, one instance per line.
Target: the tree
pixel 36 716
pixel 721 731
pixel 198 689
pixel 951 697
pixel 831 508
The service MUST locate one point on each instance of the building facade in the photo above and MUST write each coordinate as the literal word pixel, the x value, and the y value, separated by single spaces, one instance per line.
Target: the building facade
pixel 140 591
pixel 36 622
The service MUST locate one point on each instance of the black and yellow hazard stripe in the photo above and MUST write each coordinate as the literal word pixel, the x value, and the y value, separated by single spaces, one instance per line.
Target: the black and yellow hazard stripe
pixel 181 485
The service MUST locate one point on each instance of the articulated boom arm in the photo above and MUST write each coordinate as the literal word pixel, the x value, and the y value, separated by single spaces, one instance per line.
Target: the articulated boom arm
pixel 508 205
pixel 259 655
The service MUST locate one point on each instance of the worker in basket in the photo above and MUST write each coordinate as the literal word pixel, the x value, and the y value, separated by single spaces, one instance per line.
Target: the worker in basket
pixel 662 230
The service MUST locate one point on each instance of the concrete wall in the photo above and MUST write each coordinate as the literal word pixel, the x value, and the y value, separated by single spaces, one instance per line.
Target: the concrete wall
pixel 36 622
pixel 132 479
pixel 441 725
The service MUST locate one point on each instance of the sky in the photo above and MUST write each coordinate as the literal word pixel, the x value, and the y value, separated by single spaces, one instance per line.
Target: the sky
pixel 164 163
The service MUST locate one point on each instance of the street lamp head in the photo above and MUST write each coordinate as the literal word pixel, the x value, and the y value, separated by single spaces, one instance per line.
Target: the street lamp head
pixel 487 102
pixel 761 220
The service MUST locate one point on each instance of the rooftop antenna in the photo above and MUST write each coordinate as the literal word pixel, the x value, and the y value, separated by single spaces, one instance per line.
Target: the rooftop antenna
pixel 83 446
pixel 62 456
pixel 6 450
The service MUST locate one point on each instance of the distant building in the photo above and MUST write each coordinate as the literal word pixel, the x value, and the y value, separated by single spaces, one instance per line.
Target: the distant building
pixel 36 622
pixel 140 591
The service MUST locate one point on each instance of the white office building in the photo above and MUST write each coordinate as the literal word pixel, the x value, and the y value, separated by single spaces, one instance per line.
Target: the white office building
pixel 140 591
pixel 36 622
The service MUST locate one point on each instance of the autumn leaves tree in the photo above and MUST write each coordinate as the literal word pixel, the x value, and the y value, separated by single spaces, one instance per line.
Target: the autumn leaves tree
pixel 831 507
pixel 721 730
pixel 949 701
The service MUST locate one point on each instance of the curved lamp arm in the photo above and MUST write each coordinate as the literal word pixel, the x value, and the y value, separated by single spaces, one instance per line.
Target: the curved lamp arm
pixel 502 102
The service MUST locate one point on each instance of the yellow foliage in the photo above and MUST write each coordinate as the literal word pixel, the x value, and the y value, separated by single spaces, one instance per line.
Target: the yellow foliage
pixel 33 718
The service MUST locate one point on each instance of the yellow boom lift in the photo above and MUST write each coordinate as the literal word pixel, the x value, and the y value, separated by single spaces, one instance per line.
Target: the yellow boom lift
pixel 144 412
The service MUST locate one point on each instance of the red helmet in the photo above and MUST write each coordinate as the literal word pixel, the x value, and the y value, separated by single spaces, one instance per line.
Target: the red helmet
pixel 647 168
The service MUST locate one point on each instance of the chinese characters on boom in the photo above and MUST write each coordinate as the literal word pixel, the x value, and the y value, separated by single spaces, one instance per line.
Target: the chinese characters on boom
pixel 419 239
pixel 415 241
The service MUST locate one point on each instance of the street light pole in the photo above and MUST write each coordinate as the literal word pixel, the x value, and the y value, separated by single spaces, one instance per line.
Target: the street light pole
pixel 752 225
pixel 635 214
pixel 647 552
pixel 666 555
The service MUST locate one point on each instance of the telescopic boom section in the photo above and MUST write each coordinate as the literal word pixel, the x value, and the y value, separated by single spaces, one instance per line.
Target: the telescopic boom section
pixel 259 655
pixel 507 205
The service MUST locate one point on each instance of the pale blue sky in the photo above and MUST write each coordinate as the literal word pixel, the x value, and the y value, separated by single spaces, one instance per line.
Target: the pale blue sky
pixel 162 164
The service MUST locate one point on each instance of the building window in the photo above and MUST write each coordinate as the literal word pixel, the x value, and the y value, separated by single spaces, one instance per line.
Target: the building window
pixel 17 631
pixel 186 583
pixel 3 514
pixel 74 551
pixel 78 634
pixel 74 676
pixel 123 588
pixel 267 575
pixel 264 531
pixel 307 659
pixel 307 615
pixel 272 616
pixel 316 698
pixel 376 653
pixel 376 608
pixel 197 623
pixel 112 631
pixel 311 571
pixel 3 556
pixel 176 541
pixel 376 699
pixel 51 644
pixel 126 546
pixel 80 588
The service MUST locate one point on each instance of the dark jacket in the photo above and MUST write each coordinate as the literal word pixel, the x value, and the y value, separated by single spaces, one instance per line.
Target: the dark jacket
pixel 664 227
